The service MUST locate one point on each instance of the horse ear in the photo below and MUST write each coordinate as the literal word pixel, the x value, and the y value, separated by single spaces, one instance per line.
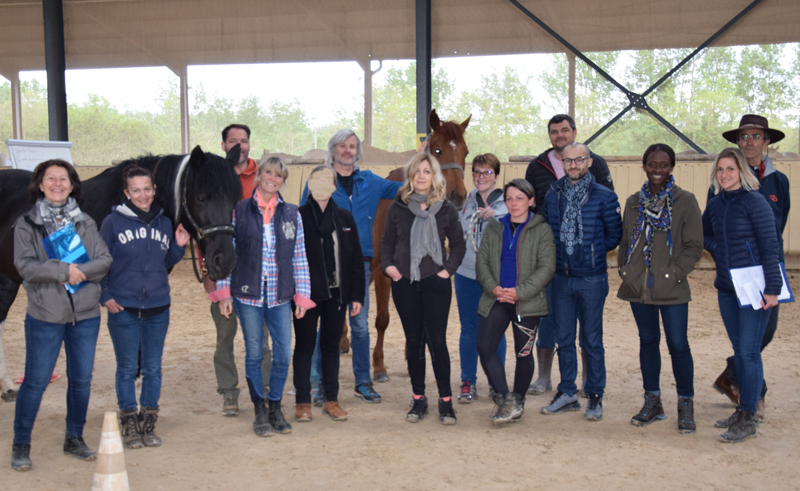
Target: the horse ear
pixel 465 123
pixel 196 157
pixel 233 154
pixel 433 120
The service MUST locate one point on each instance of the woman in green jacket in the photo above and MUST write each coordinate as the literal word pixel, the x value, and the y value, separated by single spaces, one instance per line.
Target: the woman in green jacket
pixel 516 260
pixel 662 240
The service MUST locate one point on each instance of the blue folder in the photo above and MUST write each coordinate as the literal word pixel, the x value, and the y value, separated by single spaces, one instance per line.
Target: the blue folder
pixel 65 245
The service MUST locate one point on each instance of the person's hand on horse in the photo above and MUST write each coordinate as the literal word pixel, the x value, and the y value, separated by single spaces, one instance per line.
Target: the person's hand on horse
pixel 485 213
pixel 209 284
pixel 355 308
pixel 423 147
pixel 181 235
pixel 769 301
pixel 393 273
pixel 226 307
pixel 76 276
pixel 299 311
pixel 113 307
pixel 443 274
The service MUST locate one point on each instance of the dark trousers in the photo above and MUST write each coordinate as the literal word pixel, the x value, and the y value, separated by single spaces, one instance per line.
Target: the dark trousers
pixel 330 315
pixel 491 330
pixel 772 326
pixel 676 321
pixel 423 307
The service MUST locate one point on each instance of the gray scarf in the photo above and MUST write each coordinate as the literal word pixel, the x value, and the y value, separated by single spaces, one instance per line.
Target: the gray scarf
pixel 572 221
pixel 424 233
pixel 57 217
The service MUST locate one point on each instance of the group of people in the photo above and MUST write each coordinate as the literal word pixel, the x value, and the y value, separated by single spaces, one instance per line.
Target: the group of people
pixel 531 255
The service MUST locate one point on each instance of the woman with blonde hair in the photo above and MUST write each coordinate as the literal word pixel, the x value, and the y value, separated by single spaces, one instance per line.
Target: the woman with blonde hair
pixel 739 231
pixel 414 256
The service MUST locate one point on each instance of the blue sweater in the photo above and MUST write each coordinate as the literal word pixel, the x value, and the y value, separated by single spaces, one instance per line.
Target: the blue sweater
pixel 368 190
pixel 739 232
pixel 142 254
pixel 602 229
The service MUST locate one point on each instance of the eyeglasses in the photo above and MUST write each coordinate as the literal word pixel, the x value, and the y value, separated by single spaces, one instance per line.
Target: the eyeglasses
pixel 756 138
pixel 478 174
pixel 577 161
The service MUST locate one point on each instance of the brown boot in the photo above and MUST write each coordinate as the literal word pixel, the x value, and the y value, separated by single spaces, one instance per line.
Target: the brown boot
pixel 148 417
pixel 724 386
pixel 130 429
pixel 334 410
pixel 543 383
pixel 761 409
pixel 302 413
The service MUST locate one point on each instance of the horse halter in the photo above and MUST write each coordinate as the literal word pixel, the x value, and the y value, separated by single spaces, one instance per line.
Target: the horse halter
pixel 182 205
pixel 453 165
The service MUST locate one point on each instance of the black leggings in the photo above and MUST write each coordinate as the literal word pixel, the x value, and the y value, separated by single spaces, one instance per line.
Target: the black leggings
pixel 491 329
pixel 423 307
pixel 331 316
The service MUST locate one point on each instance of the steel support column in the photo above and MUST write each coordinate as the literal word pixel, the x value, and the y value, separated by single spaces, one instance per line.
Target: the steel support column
pixel 55 61
pixel 571 84
pixel 183 74
pixel 366 65
pixel 423 22
pixel 16 106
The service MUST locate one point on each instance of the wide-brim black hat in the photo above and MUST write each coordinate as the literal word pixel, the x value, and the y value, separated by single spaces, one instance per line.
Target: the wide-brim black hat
pixel 756 122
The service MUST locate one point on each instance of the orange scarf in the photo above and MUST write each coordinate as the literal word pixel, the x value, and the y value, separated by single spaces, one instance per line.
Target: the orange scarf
pixel 268 208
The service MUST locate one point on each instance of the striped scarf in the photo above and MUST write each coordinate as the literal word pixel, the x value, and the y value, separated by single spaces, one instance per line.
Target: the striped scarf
pixel 655 213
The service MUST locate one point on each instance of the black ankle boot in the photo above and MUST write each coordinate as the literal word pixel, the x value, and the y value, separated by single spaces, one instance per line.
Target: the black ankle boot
pixel 742 429
pixel 74 445
pixel 276 418
pixel 419 408
pixel 21 457
pixel 261 424
pixel 447 415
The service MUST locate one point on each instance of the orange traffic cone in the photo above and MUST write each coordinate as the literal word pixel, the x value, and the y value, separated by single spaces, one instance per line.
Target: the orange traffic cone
pixel 110 474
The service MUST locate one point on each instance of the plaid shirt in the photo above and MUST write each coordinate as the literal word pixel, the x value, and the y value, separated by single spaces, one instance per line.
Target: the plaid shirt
pixel 269 268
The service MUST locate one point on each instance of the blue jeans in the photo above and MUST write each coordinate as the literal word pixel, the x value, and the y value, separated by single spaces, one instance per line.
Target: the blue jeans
pixel 746 329
pixel 547 326
pixel 468 294
pixel 580 299
pixel 42 346
pixel 676 322
pixel 128 332
pixel 279 322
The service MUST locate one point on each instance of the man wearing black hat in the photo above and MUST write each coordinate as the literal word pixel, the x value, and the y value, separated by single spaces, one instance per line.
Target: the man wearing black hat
pixel 753 137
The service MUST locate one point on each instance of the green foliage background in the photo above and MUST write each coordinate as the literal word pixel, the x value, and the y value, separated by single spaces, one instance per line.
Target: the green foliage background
pixel 509 108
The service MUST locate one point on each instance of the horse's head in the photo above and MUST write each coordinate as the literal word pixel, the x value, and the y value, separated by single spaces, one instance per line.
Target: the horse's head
pixel 448 145
pixel 212 191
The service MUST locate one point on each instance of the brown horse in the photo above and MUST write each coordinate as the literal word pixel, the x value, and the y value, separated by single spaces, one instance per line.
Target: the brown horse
pixel 446 142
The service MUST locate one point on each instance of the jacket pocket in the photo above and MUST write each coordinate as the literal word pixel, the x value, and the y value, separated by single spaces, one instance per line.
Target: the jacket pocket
pixel 632 282
pixel 665 285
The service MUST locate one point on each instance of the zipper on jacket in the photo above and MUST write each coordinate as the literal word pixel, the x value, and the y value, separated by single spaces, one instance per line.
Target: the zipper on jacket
pixel 751 252
pixel 593 261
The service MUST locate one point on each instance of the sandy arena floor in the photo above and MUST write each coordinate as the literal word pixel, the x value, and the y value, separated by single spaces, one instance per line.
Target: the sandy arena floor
pixel 377 449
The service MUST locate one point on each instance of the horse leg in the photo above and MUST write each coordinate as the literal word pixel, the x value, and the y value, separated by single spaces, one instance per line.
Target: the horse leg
pixel 344 341
pixel 8 292
pixel 383 286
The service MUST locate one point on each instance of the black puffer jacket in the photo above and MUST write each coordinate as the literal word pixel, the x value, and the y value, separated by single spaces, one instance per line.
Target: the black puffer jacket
pixel 351 260
pixel 540 174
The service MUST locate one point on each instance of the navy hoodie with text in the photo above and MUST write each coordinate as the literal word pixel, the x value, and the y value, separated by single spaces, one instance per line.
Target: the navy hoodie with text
pixel 142 255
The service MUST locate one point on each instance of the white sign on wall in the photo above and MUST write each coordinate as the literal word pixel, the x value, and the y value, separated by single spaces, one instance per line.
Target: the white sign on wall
pixel 27 154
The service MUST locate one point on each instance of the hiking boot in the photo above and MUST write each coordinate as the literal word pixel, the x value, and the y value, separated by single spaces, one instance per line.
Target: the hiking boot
pixel 21 457
pixel 562 403
pixel 148 416
pixel 367 392
pixel 469 392
pixel 230 406
pixel 594 408
pixel 74 445
pixel 10 396
pixel 686 416
pixel 419 408
pixel 447 415
pixel 319 397
pixel 261 424
pixel 129 428
pixel 543 383
pixel 498 402
pixel 334 410
pixel 742 429
pixel 728 422
pixel 276 418
pixel 519 407
pixel 492 393
pixel 506 410
pixel 302 413
pixel 651 411
pixel 723 385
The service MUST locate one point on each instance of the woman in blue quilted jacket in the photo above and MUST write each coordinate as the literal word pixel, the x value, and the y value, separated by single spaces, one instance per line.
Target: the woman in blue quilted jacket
pixel 739 232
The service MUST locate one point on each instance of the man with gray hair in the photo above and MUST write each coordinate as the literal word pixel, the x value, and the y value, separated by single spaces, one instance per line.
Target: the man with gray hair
pixel 586 223
pixel 359 192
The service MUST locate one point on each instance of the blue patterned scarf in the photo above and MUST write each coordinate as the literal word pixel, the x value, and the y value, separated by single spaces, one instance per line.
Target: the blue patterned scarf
pixel 655 213
pixel 572 221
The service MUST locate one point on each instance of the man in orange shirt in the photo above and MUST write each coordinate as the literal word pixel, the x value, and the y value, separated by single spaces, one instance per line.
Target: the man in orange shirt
pixel 224 364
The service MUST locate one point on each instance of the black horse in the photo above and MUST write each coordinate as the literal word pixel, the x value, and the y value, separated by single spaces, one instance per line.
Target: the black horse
pixel 198 190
